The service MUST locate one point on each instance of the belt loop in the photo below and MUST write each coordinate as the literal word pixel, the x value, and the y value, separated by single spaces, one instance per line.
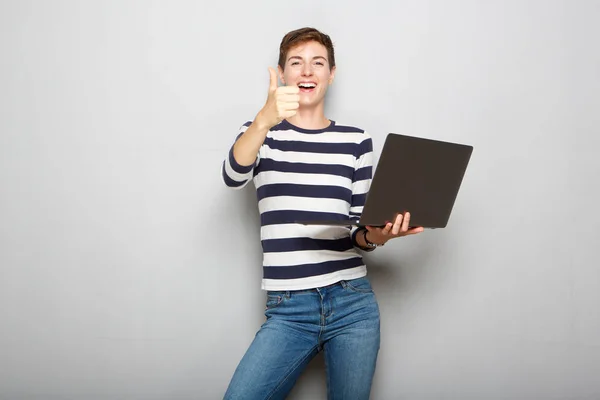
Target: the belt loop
pixel 288 294
pixel 343 283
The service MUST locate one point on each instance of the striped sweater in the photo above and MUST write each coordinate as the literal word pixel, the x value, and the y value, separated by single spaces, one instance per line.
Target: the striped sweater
pixel 302 174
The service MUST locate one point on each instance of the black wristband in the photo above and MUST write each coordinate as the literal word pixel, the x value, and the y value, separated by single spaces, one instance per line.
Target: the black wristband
pixel 371 246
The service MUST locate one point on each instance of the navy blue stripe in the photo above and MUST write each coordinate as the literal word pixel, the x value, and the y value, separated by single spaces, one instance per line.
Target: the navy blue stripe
pixel 310 147
pixel 247 124
pixel 358 200
pixel 267 164
pixel 353 238
pixel 347 129
pixel 306 270
pixel 302 244
pixel 285 125
pixel 362 174
pixel 228 181
pixel 292 217
pixel 240 169
pixel 366 146
pixel 314 191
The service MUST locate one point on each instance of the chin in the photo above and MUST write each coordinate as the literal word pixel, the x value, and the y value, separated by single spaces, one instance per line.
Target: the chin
pixel 310 103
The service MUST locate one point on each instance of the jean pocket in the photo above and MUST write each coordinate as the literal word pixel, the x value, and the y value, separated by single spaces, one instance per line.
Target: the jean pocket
pixel 359 285
pixel 273 300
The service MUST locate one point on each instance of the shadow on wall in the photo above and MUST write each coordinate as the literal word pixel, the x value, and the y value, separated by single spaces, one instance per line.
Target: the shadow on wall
pixel 415 256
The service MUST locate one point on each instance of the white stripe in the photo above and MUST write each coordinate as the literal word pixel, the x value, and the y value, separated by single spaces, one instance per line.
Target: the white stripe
pixel 286 231
pixel 312 282
pixel 290 258
pixel 357 209
pixel 303 204
pixel 366 160
pixel 361 187
pixel 302 179
pixel 310 158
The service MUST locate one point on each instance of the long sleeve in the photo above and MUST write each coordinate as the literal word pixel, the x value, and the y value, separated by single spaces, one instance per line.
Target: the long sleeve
pixel 361 181
pixel 237 176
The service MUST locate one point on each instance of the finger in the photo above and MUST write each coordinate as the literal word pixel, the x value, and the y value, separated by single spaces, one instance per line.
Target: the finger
pixel 288 97
pixel 284 106
pixel 272 80
pixel 291 106
pixel 288 114
pixel 405 222
pixel 386 230
pixel 397 224
pixel 416 230
pixel 288 90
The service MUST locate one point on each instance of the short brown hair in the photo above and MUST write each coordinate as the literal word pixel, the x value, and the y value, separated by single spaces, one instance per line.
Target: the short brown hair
pixel 304 35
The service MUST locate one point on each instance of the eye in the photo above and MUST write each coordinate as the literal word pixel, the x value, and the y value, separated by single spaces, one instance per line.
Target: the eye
pixel 295 63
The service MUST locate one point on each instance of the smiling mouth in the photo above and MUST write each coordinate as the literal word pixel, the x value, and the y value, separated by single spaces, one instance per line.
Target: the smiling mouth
pixel 307 87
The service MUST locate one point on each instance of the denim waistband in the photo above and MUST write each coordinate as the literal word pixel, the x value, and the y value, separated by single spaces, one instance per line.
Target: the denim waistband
pixel 287 293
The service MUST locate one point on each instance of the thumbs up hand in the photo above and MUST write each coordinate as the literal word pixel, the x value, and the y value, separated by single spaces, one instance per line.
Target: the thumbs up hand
pixel 282 102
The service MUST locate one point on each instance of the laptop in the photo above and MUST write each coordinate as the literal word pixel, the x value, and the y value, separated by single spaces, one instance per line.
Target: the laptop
pixel 417 175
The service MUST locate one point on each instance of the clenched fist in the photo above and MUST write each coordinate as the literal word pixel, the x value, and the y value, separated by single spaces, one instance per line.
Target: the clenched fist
pixel 282 102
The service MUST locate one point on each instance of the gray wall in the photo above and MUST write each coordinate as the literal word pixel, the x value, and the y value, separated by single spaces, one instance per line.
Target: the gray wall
pixel 128 270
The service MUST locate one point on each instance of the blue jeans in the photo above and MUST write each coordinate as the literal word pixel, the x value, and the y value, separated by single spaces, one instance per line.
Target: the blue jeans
pixel 341 319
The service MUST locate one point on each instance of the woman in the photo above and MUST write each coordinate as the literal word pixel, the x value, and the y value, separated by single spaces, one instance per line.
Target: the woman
pixel 307 167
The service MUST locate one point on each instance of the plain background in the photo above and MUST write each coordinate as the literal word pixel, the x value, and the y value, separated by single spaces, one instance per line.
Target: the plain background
pixel 129 271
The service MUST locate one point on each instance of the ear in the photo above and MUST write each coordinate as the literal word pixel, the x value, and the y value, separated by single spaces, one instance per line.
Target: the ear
pixel 281 75
pixel 332 75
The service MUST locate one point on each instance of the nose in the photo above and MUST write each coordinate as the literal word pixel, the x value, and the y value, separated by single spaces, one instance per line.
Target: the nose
pixel 307 69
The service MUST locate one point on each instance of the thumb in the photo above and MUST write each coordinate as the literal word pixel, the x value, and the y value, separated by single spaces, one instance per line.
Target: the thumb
pixel 273 80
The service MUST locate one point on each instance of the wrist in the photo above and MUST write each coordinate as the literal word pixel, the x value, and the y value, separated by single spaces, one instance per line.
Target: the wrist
pixel 261 122
pixel 370 244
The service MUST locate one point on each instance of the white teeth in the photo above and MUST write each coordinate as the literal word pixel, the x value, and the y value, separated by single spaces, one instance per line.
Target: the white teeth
pixel 307 85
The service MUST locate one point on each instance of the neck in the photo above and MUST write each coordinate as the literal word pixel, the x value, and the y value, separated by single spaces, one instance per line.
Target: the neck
pixel 313 118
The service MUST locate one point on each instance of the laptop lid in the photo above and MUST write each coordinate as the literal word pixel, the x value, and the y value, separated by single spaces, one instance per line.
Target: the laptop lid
pixel 418 175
